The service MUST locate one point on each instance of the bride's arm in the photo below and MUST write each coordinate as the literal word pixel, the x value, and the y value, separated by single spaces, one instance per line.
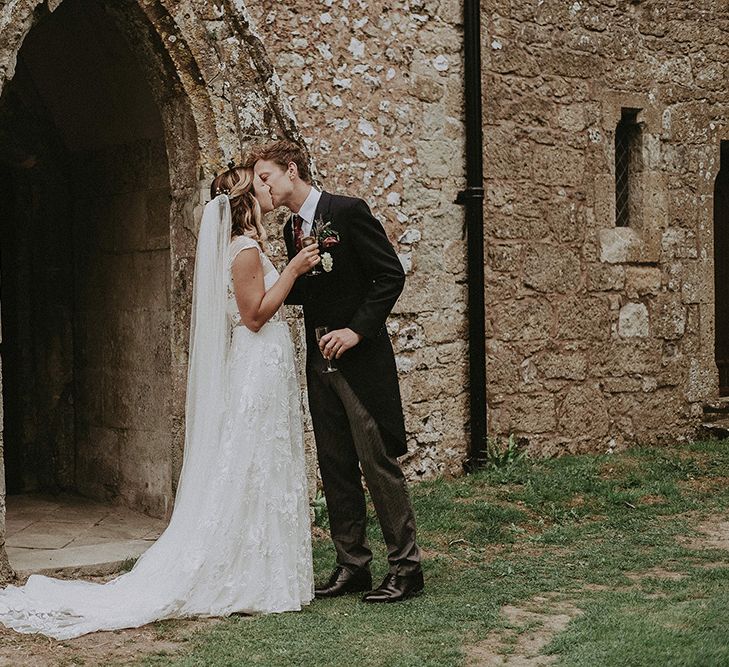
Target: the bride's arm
pixel 255 304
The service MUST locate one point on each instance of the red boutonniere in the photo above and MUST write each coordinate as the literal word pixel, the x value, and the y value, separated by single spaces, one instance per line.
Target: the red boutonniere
pixel 326 236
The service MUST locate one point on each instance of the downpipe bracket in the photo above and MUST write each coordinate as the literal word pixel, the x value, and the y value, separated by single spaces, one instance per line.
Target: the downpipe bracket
pixel 471 193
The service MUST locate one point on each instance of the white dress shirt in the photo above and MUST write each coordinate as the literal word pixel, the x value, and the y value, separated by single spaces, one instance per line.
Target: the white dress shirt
pixel 308 210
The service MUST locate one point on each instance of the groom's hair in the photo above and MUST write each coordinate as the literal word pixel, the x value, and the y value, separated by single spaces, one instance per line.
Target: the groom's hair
pixel 282 153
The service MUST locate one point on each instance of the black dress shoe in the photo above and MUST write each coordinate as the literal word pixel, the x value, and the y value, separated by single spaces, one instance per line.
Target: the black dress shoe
pixel 344 581
pixel 396 587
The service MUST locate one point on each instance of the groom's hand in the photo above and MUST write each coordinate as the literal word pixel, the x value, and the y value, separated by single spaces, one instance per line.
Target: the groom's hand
pixel 334 344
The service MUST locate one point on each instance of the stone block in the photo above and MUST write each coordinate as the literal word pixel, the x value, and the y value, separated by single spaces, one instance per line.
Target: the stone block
pixel 439 294
pixel 565 365
pixel 633 321
pixel 97 461
pixel 508 226
pixel 523 319
pixel 697 283
pixel 89 395
pixel 621 385
pixel 145 471
pixel 525 413
pixel 505 258
pixel 502 365
pixel 551 269
pixel 642 280
pixel 604 194
pixel 583 317
pixel 702 379
pixel 620 245
pixel 566 219
pixel 571 117
pixel 628 357
pixel 677 242
pixel 426 88
pixel 455 257
pixel 605 277
pixel 139 339
pixel 668 316
pixel 558 165
pixel 137 400
pixel 157 218
pixel 436 156
pixel 442 326
pixel 583 412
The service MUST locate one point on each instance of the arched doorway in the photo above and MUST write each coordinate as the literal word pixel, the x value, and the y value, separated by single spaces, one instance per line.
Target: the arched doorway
pixel 85 271
pixel 721 269
pixel 214 89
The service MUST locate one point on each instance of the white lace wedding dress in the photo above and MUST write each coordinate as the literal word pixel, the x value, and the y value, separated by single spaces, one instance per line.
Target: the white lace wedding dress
pixel 239 537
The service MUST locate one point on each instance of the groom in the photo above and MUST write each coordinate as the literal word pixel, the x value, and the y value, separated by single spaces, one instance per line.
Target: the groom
pixel 357 413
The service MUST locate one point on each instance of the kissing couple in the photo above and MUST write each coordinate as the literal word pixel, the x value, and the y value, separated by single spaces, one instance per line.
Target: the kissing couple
pixel 239 539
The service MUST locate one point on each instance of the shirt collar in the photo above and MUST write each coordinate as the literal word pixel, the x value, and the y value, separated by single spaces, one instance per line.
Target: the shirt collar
pixel 308 208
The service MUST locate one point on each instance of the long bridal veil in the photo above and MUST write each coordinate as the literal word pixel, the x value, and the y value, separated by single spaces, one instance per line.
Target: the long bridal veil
pixel 209 342
pixel 178 575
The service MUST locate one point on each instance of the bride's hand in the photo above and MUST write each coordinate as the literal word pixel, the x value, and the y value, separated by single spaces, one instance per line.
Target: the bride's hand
pixel 306 260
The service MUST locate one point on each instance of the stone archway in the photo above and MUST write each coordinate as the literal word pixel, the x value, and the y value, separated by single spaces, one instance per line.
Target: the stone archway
pixel 119 167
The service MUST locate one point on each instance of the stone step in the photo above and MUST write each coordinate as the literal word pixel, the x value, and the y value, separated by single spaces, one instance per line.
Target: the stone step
pixel 88 560
pixel 718 428
pixel 720 406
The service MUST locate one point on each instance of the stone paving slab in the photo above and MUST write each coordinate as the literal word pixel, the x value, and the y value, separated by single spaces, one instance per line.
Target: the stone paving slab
pixel 93 559
pixel 73 535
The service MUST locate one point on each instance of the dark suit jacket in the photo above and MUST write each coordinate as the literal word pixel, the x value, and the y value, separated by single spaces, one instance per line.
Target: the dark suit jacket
pixel 359 292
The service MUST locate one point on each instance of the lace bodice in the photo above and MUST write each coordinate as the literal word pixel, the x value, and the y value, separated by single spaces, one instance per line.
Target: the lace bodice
pixel 270 276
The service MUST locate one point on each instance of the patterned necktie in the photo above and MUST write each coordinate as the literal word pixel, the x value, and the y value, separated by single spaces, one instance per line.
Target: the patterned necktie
pixel 298 224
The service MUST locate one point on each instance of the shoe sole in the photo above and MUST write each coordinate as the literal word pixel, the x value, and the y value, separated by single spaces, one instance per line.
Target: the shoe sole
pixel 409 596
pixel 342 594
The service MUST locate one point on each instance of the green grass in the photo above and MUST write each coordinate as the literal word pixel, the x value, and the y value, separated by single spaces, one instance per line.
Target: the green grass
pixel 574 526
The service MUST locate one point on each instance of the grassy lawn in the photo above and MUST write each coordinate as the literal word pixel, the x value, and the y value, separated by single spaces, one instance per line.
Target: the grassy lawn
pixel 616 536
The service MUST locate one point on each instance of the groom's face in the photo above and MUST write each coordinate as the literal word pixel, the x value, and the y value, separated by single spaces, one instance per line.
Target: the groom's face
pixel 277 179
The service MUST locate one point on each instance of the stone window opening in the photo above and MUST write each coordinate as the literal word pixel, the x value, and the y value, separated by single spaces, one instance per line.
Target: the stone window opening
pixel 628 166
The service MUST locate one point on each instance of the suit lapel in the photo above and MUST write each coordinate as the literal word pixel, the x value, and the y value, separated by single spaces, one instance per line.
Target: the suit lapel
pixel 323 207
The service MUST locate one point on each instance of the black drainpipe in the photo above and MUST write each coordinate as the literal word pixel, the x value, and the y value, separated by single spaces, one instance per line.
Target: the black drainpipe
pixel 472 199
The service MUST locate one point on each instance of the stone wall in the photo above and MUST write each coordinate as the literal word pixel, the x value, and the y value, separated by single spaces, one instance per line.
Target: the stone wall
pixel 600 336
pixel 377 91
pixel 597 336
pixel 122 325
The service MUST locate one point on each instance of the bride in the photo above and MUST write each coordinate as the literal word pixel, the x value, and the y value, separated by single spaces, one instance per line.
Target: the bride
pixel 239 537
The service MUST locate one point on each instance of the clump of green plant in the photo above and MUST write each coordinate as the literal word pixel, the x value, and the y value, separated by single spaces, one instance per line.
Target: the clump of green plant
pixel 500 454
pixel 127 564
pixel 321 515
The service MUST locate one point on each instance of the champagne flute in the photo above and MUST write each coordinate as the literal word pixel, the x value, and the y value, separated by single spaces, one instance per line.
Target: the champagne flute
pixel 320 333
pixel 307 241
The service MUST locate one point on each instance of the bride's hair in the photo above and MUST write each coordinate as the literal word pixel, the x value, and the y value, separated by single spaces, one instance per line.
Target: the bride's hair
pixel 245 210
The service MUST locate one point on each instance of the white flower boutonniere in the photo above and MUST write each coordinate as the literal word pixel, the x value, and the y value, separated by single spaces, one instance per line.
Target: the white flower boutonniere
pixel 327 262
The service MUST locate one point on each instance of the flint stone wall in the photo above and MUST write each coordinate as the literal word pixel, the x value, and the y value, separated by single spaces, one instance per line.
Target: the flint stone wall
pixel 377 91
